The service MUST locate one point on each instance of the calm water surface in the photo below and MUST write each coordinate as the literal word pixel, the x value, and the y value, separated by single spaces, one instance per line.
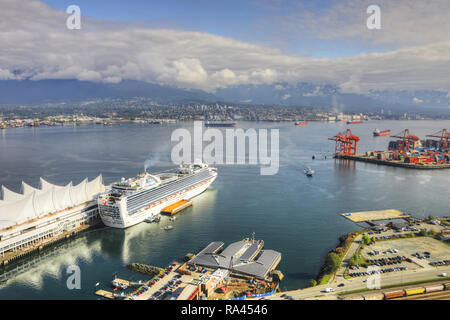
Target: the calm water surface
pixel 293 214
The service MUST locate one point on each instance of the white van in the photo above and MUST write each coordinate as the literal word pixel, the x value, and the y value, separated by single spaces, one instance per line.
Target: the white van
pixel 329 289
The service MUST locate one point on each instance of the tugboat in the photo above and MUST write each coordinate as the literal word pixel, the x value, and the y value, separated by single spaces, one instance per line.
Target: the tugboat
pixel 308 171
pixel 378 133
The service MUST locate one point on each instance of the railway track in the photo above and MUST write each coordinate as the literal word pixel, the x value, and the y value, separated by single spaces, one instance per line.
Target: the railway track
pixel 440 295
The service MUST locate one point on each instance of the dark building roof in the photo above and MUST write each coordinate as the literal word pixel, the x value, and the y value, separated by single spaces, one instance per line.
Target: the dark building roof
pixel 245 256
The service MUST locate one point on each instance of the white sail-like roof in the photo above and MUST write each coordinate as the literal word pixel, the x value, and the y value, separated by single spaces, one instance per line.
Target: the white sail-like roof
pixel 61 197
pixel 27 189
pixel 43 202
pixel 95 186
pixel 47 185
pixel 78 193
pixel 9 195
pixel 18 211
pixel 16 208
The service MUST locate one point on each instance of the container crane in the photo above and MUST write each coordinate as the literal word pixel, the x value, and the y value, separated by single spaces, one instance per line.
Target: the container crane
pixel 407 140
pixel 443 135
pixel 345 144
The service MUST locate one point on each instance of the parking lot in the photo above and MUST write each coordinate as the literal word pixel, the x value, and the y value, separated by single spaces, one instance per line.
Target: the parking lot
pixel 409 253
pixel 162 286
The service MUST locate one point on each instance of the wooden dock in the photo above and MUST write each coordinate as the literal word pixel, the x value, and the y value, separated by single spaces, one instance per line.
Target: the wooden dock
pixel 105 294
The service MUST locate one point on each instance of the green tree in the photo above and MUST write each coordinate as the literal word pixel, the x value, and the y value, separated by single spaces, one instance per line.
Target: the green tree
pixel 332 262
pixel 312 283
pixel 423 232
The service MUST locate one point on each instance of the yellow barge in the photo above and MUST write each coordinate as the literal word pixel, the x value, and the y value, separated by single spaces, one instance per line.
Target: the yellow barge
pixel 177 206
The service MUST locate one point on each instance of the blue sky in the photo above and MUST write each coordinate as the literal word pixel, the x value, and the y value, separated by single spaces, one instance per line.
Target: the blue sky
pixel 249 21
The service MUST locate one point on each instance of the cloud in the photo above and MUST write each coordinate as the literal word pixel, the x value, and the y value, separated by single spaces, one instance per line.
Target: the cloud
pixel 403 22
pixel 37 45
pixel 315 93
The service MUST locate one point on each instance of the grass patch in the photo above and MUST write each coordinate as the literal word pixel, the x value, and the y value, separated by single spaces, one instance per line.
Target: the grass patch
pixel 325 279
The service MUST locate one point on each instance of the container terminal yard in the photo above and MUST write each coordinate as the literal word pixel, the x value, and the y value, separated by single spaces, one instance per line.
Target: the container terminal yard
pixel 241 270
pixel 408 151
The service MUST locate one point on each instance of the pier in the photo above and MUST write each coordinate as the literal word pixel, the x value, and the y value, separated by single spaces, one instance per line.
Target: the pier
pixel 365 216
pixel 394 163
pixel 29 250
pixel 246 270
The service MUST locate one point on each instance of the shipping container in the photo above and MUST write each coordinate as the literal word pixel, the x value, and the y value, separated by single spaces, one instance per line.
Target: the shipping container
pixel 374 296
pixel 394 294
pixel 411 292
pixel 434 288
pixel 354 298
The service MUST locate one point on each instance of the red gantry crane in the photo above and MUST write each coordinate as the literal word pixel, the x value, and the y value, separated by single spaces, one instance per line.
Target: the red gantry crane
pixel 407 140
pixel 443 135
pixel 345 144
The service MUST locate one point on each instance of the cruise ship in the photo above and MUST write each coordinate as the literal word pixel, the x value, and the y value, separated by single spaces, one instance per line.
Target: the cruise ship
pixel 133 200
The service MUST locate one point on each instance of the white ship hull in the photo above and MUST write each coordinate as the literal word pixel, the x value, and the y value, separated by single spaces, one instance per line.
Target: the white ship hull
pixel 128 221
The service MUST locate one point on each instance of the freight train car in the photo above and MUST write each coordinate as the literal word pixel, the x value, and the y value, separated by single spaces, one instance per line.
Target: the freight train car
pixel 434 288
pixel 374 296
pixel 394 294
pixel 413 291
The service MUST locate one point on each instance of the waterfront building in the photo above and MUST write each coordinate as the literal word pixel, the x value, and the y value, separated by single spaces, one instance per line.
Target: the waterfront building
pixel 41 215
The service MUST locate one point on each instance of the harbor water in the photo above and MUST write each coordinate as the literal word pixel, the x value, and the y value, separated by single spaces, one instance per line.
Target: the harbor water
pixel 292 213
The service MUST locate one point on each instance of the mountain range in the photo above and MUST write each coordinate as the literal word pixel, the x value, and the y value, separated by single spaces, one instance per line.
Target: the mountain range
pixel 300 94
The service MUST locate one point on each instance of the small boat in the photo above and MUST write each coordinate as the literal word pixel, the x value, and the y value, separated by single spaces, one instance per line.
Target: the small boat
pixel 172 218
pixel 354 122
pixel 378 133
pixel 168 228
pixel 153 219
pixel 301 123
pixel 220 124
pixel 308 171
pixel 117 284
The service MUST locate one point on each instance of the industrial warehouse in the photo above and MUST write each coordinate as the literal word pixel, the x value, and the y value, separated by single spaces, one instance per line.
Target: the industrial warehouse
pixel 37 217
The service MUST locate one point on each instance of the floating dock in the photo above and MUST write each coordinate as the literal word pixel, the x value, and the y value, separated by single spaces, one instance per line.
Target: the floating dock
pixel 105 294
pixel 177 206
pixel 364 216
